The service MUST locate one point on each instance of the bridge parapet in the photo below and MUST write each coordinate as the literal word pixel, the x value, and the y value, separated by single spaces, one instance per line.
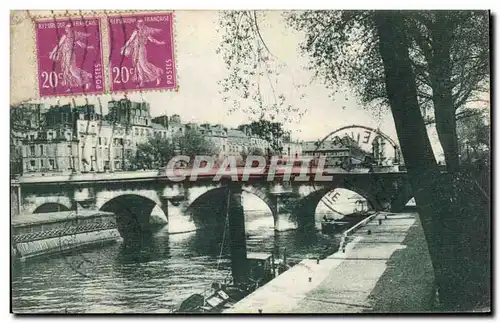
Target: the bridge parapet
pixel 175 198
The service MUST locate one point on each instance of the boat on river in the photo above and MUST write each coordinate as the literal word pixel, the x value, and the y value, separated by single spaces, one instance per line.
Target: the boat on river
pixel 330 225
pixel 262 269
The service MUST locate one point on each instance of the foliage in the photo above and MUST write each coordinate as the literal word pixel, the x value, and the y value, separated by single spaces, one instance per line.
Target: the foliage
pixel 192 142
pixel 379 55
pixel 252 81
pixel 467 34
pixel 256 151
pixel 474 142
pixel 449 52
pixel 272 132
pixel 155 152
pixel 343 48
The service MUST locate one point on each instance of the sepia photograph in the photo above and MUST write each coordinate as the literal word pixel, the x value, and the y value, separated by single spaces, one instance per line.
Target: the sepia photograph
pixel 250 162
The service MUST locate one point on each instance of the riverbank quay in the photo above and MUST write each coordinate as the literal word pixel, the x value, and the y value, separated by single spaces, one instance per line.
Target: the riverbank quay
pixel 384 266
pixel 43 234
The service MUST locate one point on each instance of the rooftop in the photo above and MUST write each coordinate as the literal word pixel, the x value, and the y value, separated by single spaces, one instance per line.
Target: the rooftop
pixel 327 145
pixel 158 126
pixel 258 255
pixel 236 133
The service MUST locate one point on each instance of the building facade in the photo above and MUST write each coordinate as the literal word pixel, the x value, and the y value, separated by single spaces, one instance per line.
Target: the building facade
pixel 339 152
pixel 70 138
pixel 25 122
pixel 57 154
pixel 336 155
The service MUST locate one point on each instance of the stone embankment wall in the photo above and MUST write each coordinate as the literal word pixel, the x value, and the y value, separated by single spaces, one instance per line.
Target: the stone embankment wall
pixel 50 233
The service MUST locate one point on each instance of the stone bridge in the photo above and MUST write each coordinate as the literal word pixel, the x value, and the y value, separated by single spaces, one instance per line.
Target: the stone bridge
pixel 189 205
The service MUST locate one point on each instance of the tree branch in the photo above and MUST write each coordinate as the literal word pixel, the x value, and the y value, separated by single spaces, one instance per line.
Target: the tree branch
pixel 258 33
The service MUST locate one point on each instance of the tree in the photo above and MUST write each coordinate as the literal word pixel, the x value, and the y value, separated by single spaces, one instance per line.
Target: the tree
pixel 455 50
pixel 256 151
pixel 192 143
pixel 155 152
pixel 474 148
pixel 449 53
pixel 252 82
pixel 474 140
pixel 373 53
pixel 272 132
pixel 444 200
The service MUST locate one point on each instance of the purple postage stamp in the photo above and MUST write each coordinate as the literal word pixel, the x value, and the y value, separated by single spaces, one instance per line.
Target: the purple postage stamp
pixel 69 54
pixel 142 52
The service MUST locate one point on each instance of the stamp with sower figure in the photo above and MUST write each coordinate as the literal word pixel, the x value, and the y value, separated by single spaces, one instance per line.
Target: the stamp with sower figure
pixel 141 52
pixel 69 55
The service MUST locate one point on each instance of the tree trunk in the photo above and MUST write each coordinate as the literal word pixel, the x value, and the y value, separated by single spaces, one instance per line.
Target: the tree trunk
pixel 456 237
pixel 440 75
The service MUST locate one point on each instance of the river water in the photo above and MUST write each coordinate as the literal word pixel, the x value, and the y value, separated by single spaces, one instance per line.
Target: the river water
pixel 118 280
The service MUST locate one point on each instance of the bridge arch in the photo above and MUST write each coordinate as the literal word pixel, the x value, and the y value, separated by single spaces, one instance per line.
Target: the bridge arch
pixel 43 204
pixel 133 212
pixel 51 207
pixel 215 202
pixel 304 214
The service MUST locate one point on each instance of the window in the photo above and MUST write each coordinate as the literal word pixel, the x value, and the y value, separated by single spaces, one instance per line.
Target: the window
pixel 142 132
pixel 100 141
pixel 105 141
pixel 32 163
pixel 32 150
pixel 136 131
pixel 41 150
pixel 41 163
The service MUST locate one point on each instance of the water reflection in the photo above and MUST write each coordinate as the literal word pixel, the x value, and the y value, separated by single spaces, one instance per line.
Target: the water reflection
pixel 155 278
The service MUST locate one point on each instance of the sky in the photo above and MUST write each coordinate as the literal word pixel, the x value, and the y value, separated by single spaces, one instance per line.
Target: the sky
pixel 199 68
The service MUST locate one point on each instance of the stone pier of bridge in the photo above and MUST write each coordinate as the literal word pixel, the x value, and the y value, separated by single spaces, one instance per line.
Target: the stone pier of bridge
pixel 191 205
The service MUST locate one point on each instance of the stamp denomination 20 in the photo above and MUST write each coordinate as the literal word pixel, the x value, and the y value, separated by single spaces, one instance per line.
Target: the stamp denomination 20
pixel 69 55
pixel 142 52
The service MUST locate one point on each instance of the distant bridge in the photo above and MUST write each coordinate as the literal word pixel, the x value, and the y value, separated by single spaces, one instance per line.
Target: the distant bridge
pixel 193 203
